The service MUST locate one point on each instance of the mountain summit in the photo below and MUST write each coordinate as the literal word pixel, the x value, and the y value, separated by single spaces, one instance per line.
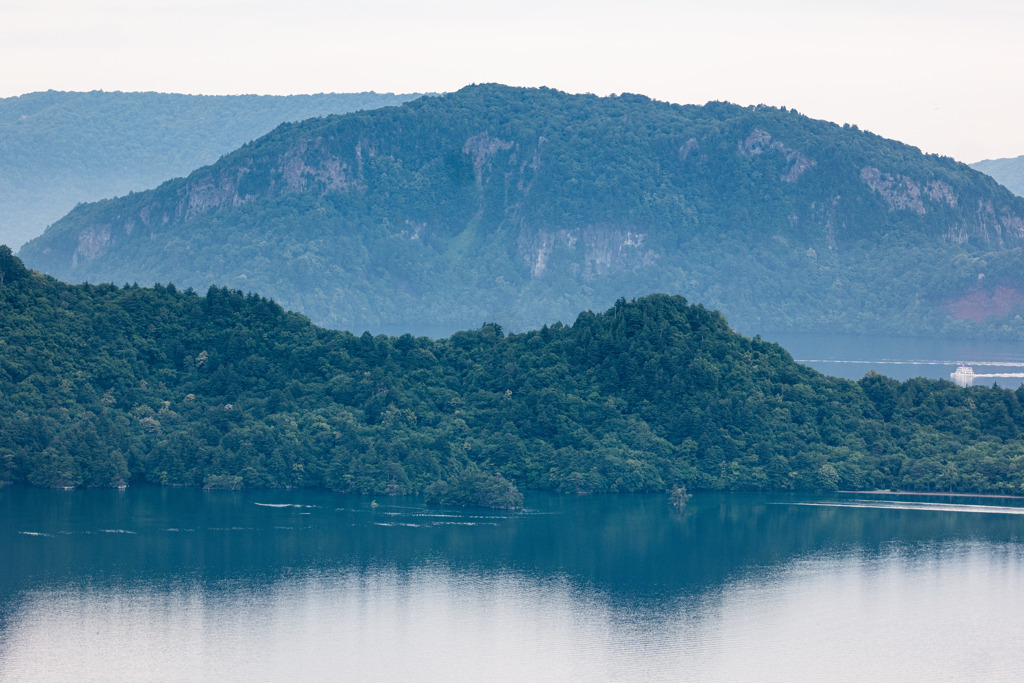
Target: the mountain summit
pixel 524 206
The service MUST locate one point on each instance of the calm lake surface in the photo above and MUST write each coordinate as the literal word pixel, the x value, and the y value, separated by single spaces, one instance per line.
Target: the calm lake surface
pixel 852 356
pixel 180 584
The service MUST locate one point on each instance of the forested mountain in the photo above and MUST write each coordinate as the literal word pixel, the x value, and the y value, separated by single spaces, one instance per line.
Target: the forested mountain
pixel 101 385
pixel 58 149
pixel 523 206
pixel 1009 172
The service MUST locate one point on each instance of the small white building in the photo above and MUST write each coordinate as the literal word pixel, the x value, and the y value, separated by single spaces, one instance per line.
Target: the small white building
pixel 963 375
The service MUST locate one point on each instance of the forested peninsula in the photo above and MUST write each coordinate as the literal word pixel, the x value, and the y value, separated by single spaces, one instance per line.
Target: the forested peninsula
pixel 103 385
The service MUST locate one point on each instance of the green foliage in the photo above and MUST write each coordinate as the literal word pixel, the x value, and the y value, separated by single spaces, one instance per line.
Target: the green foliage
pixel 475 488
pixel 11 268
pixel 104 385
pixel 678 497
pixel 224 482
pixel 58 149
pixel 525 206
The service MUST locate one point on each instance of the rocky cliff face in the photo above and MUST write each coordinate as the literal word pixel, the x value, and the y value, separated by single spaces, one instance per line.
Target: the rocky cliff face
pixel 536 201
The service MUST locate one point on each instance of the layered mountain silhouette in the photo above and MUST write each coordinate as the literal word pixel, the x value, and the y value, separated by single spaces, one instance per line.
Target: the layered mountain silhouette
pixel 58 149
pixel 525 206
pixel 1008 172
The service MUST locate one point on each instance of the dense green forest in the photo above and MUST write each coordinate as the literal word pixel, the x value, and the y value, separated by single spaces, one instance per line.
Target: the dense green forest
pixel 1009 172
pixel 103 385
pixel 59 149
pixel 523 206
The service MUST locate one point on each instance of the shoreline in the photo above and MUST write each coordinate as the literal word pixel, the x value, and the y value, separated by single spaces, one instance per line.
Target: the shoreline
pixel 887 492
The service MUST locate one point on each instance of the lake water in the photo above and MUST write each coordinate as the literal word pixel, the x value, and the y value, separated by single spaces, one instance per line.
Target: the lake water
pixel 852 356
pixel 180 584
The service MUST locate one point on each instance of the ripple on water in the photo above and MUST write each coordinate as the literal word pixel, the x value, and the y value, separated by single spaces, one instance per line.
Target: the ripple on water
pixel 915 505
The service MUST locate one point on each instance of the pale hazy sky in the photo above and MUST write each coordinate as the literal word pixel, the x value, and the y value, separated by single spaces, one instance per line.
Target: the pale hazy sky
pixel 945 76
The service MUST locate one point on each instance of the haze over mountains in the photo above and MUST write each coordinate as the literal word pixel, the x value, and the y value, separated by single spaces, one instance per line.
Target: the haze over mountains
pixel 58 149
pixel 525 206
pixel 1009 172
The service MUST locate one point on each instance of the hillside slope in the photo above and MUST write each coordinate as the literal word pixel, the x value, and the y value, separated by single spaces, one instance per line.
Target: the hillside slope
pixel 524 206
pixel 101 385
pixel 1008 172
pixel 59 149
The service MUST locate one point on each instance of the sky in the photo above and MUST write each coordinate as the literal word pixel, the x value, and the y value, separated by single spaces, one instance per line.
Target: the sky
pixel 941 75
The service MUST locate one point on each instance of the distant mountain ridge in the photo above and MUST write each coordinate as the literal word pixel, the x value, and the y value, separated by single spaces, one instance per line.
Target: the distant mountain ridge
pixel 1009 172
pixel 523 206
pixel 58 149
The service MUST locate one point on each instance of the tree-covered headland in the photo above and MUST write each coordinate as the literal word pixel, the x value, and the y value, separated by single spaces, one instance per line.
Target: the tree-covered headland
pixel 103 385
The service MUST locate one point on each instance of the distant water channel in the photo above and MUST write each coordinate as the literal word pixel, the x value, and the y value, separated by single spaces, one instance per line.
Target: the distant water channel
pixel 179 584
pixel 852 356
